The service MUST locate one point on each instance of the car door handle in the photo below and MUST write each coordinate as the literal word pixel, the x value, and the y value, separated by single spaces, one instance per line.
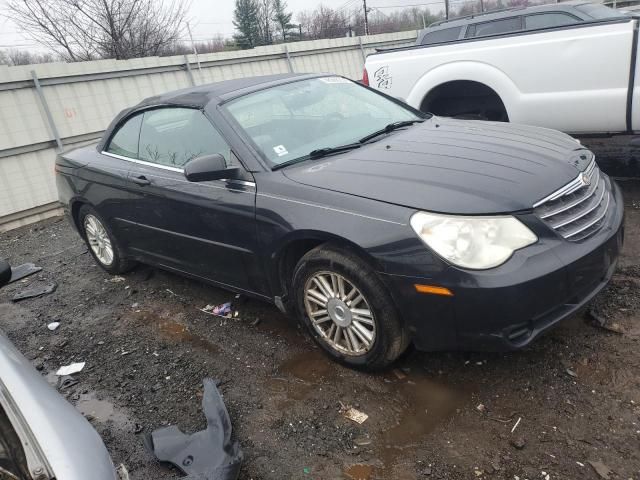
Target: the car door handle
pixel 141 180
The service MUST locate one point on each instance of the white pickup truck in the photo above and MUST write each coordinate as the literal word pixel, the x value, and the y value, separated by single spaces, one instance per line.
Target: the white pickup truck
pixel 580 78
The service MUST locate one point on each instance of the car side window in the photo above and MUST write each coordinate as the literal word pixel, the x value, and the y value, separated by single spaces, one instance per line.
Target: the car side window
pixel 505 25
pixel 439 36
pixel 125 140
pixel 547 20
pixel 173 136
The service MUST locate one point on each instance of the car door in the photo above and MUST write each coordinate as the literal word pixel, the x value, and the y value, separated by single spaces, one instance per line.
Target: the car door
pixel 106 176
pixel 205 229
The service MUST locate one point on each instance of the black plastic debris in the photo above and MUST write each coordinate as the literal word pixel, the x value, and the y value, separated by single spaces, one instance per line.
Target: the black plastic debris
pixel 5 272
pixel 206 455
pixel 22 271
pixel 35 291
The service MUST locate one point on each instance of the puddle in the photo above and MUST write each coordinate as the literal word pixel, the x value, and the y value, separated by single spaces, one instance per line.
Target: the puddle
pixel 424 405
pixel 301 374
pixel 174 331
pixel 310 367
pixel 101 411
pixel 359 472
pixel 403 410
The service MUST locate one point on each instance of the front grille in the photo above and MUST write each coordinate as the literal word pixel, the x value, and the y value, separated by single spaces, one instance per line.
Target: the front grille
pixel 577 210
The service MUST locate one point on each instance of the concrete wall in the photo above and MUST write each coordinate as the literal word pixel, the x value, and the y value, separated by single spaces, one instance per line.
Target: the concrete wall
pixel 82 98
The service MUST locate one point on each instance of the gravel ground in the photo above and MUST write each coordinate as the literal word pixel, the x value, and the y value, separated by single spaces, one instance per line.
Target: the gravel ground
pixel 573 397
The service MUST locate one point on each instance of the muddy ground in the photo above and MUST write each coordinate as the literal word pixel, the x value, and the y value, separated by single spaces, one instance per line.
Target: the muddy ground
pixel 574 394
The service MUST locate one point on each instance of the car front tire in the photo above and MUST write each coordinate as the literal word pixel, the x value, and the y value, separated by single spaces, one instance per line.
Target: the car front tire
pixel 347 309
pixel 103 245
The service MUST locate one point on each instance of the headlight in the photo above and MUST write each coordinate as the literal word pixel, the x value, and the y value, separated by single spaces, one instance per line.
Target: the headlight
pixel 472 242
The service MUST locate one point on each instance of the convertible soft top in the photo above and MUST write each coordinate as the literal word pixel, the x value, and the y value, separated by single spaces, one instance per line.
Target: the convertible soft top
pixel 221 91
pixel 203 95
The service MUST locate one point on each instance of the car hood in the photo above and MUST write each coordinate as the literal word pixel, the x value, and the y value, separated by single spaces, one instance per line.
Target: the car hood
pixel 453 166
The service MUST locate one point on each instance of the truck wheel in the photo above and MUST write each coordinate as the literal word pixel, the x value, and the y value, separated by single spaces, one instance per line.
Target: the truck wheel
pixel 347 309
pixel 102 244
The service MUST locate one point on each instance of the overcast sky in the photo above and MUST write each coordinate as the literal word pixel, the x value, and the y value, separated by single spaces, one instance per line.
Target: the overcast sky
pixel 210 17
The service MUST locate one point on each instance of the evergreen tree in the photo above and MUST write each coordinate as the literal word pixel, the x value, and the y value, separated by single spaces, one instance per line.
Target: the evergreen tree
pixel 245 19
pixel 282 18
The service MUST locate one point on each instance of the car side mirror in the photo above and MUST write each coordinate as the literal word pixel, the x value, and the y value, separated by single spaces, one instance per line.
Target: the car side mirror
pixel 209 167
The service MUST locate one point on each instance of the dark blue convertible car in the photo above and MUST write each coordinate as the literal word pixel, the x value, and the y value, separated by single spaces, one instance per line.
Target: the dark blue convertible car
pixel 373 223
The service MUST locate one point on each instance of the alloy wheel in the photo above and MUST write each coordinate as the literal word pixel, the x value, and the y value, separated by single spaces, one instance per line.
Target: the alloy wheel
pixel 339 313
pixel 98 239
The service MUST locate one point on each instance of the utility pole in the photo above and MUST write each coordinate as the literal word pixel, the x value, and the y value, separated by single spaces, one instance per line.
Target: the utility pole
pixel 193 45
pixel 446 9
pixel 366 18
pixel 482 5
pixel 300 28
pixel 424 24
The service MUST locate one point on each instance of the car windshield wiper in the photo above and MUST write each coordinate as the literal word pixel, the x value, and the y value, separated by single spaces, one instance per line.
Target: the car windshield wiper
pixel 323 152
pixel 318 153
pixel 390 128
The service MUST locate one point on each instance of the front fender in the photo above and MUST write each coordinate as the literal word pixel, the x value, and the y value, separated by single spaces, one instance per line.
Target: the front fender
pixel 486 74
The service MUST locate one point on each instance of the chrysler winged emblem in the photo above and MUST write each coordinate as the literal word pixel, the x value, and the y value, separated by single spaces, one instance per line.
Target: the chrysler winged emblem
pixel 585 179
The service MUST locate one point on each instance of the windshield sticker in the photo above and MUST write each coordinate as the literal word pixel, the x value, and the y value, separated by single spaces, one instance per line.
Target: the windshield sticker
pixel 383 77
pixel 334 80
pixel 280 150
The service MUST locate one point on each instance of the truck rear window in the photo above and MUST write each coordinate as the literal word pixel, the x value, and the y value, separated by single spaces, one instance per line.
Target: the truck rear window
pixel 599 11
pixel 439 36
pixel 547 20
pixel 505 25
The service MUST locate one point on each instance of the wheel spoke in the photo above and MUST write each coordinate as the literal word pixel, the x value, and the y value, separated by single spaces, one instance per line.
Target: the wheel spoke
pixel 329 332
pixel 352 339
pixel 108 255
pixel 352 293
pixel 366 321
pixel 362 338
pixel 320 320
pixel 341 293
pixel 327 287
pixel 318 296
pixel 325 291
pixel 337 335
pixel 366 333
pixel 334 285
pixel 356 300
pixel 361 312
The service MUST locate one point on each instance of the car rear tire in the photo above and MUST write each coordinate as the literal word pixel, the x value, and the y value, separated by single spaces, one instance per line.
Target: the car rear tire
pixel 103 245
pixel 347 309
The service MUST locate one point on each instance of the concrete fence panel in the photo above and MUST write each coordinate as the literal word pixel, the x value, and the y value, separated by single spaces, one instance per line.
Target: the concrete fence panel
pixel 70 104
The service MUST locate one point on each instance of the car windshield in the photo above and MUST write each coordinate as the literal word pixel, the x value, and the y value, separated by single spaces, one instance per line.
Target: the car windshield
pixel 288 122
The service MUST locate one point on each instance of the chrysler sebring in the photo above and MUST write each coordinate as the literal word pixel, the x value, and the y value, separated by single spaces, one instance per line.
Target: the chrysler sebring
pixel 374 224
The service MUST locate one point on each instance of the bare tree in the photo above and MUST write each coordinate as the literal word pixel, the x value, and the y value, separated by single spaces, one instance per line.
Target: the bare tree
pixel 324 22
pixel 89 29
pixel 216 44
pixel 24 57
pixel 265 12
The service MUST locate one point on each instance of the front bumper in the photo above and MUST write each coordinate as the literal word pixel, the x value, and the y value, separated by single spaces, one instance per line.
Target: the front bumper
pixel 508 307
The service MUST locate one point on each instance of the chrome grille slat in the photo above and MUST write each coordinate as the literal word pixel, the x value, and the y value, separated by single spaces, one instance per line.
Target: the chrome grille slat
pixel 569 187
pixel 577 210
pixel 585 212
pixel 592 188
pixel 593 222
